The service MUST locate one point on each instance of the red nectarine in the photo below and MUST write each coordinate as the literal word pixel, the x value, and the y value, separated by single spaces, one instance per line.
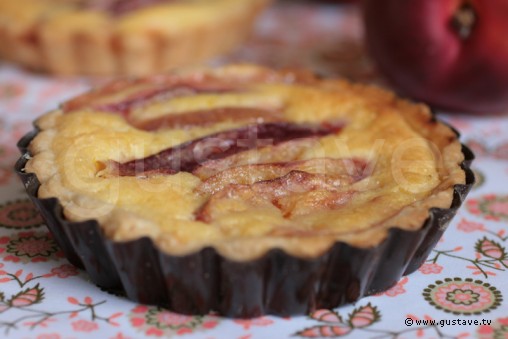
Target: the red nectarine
pixel 452 54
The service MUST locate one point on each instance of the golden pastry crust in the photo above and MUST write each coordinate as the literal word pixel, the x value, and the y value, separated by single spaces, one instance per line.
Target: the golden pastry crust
pixel 68 37
pixel 387 164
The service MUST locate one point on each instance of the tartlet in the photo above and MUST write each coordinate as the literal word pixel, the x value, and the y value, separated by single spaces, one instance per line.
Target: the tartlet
pixel 244 190
pixel 121 37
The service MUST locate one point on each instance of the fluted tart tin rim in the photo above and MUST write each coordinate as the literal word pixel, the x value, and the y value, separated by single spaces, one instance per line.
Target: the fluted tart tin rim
pixel 276 283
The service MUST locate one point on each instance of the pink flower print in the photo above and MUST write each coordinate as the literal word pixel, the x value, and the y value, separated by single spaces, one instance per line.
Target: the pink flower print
pixel 500 207
pixel 138 318
pixel 111 318
pixel 74 301
pixel 501 152
pixel 11 90
pixel 397 289
pixel 326 316
pixel 49 336
pixel 120 335
pixel 430 268
pixel 485 330
pixel 470 226
pixel 326 331
pixel 141 309
pixel 30 247
pixel 27 297
pixel 5 279
pixel 44 323
pixel 361 317
pixel 501 233
pixel 247 323
pixel 84 326
pixel 162 319
pixel 19 214
pixel 505 263
pixel 477 271
pixel 155 332
pixel 473 206
pixel 466 297
pixel 490 249
pixel 63 271
pixel 462 297
pixel 156 321
pixel 496 329
pixel 491 206
pixel 364 316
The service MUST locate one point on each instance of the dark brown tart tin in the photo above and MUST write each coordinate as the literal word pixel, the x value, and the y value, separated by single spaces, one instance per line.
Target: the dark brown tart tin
pixel 277 283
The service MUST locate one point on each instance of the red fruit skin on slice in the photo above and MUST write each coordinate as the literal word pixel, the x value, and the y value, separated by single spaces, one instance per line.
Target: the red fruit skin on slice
pixel 188 156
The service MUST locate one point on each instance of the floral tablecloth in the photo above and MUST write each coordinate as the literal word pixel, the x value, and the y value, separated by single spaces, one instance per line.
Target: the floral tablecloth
pixel 462 287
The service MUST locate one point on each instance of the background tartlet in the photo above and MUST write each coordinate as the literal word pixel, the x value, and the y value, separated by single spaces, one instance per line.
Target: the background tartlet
pixel 121 37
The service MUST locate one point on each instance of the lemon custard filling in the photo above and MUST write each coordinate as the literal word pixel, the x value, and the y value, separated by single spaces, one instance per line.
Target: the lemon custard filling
pixel 245 159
